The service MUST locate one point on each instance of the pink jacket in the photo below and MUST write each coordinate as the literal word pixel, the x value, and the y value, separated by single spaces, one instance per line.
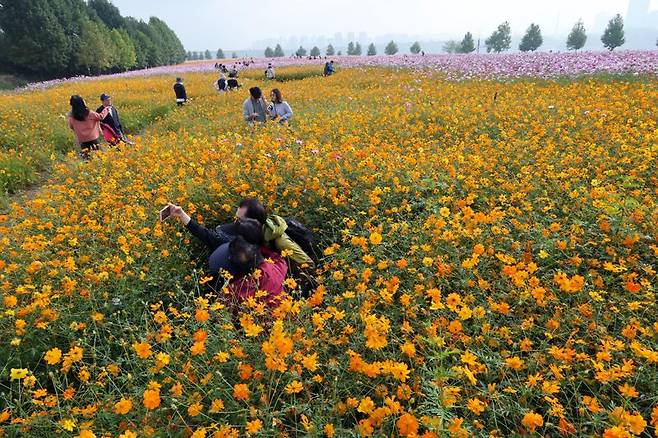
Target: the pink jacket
pixel 273 273
pixel 90 128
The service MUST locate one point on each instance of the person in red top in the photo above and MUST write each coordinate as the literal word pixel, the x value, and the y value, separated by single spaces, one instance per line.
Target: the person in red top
pixel 252 266
pixel 85 124
pixel 257 269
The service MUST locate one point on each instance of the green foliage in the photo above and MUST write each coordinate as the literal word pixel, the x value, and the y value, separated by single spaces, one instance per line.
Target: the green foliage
pixel 107 13
pixel 315 51
pixel 54 38
pixel 278 51
pixel 391 48
pixel 234 55
pixel 467 45
pixel 207 54
pixel 269 53
pixel 93 56
pixel 301 51
pixel 415 48
pixel 532 39
pixel 350 48
pixel 613 36
pixel 451 46
pixel 372 50
pixel 357 49
pixel 330 50
pixel 500 40
pixel 220 54
pixel 577 37
pixel 28 50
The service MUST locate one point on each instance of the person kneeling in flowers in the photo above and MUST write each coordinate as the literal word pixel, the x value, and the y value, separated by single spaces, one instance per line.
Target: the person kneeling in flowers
pixel 251 266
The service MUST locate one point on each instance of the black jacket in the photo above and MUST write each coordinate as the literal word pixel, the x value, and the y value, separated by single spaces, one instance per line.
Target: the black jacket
pixel 112 119
pixel 179 89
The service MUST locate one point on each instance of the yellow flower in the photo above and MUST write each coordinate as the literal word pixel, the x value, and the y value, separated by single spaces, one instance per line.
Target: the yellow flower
pixel 142 349
pixel 375 238
pixel 253 426
pixel 532 420
pixel 294 387
pixel 18 373
pixel 53 356
pixel 123 406
pixel 195 409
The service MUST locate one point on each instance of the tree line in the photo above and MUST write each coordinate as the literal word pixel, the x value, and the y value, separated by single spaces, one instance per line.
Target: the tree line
pixel 499 41
pixel 57 38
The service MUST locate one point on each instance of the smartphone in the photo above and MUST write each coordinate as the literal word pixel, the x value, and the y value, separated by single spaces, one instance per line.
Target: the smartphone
pixel 165 213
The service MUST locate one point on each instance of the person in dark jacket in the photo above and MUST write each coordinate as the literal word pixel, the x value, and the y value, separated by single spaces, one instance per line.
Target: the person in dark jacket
pixel 179 89
pixel 112 119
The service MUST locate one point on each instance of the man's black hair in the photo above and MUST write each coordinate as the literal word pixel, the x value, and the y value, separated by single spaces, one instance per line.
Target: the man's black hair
pixel 255 92
pixel 244 256
pixel 250 229
pixel 255 210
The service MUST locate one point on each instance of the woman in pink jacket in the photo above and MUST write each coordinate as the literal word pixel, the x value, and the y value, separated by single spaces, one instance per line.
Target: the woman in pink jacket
pixel 85 124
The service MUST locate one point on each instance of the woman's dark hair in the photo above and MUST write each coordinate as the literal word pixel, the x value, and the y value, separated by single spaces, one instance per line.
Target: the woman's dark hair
pixel 255 92
pixel 79 110
pixel 244 256
pixel 250 229
pixel 277 95
pixel 255 210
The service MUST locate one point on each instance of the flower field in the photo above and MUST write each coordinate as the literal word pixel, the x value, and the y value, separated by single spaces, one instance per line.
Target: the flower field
pixel 489 255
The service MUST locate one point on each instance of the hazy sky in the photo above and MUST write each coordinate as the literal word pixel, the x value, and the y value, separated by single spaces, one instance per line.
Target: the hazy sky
pixel 236 24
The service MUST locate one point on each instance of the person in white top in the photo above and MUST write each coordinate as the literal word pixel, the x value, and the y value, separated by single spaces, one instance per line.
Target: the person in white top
pixel 279 108
pixel 269 73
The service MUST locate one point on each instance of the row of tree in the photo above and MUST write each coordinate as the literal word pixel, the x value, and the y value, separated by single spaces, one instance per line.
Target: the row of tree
pixel 56 38
pixel 194 56
pixel 499 41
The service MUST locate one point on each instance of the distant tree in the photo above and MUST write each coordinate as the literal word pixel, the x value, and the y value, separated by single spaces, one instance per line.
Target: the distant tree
pixel 415 48
pixel 269 53
pixel 220 54
pixel 577 37
pixel 93 56
pixel 613 36
pixel 391 48
pixel 532 40
pixel 108 13
pixel 358 51
pixel 330 50
pixel 278 51
pixel 451 46
pixel 467 45
pixel 301 51
pixel 340 53
pixel 33 38
pixel 125 57
pixel 188 55
pixel 315 51
pixel 350 48
pixel 234 55
pixel 500 40
pixel 207 54
pixel 372 50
